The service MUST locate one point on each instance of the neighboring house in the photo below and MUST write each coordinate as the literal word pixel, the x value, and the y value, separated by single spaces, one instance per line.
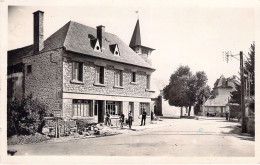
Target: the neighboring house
pixel 162 108
pixel 217 102
pixel 80 72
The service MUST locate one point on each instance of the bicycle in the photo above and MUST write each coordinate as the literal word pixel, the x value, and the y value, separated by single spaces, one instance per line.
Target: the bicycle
pixel 120 123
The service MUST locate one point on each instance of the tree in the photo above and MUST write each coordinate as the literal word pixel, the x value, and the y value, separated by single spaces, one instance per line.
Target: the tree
pixel 25 117
pixel 250 68
pixel 185 88
pixel 249 75
pixel 236 94
pixel 203 95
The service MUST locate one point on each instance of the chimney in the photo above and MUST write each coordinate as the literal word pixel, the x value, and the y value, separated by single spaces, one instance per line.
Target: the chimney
pixel 38 31
pixel 100 32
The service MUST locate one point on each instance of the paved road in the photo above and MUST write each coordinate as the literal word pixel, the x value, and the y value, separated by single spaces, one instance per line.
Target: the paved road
pixel 205 137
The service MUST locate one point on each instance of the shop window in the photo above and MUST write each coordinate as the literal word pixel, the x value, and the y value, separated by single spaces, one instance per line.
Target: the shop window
pixel 146 107
pixel 113 107
pixel 82 108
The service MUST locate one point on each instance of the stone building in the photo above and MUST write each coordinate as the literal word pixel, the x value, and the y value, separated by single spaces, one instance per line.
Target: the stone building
pixel 80 72
pixel 217 102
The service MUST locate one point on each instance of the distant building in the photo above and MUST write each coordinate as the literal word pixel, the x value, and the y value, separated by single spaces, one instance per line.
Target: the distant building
pixel 162 108
pixel 216 103
pixel 80 72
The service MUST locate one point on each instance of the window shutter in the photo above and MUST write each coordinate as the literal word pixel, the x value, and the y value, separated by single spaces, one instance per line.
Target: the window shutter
pixel 73 71
pixel 121 77
pixel 97 75
pixel 101 75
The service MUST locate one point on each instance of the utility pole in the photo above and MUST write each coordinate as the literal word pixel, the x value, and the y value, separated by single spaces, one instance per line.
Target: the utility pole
pixel 242 93
pixel 242 104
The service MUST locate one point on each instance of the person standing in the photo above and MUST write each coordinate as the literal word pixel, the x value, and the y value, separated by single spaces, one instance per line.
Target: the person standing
pixel 143 117
pixel 152 116
pixel 122 120
pixel 130 119
pixel 108 119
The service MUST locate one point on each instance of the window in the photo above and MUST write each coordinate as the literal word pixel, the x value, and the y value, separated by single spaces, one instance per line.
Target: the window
pixel 77 73
pixel 113 107
pixel 148 82
pixel 29 69
pixel 133 76
pixel 118 78
pixel 146 107
pixel 100 75
pixel 82 108
pixel 114 49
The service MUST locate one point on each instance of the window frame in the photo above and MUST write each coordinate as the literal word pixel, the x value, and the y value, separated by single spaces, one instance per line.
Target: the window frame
pixel 118 78
pixel 100 75
pixel 145 106
pixel 77 75
pixel 111 108
pixel 79 108
pixel 29 69
pixel 148 82
pixel 133 78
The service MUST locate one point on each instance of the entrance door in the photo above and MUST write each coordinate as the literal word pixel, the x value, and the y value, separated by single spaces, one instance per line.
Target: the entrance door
pixel 99 110
pixel 131 108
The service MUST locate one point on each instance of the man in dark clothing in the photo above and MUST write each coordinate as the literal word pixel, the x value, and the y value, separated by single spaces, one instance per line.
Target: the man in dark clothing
pixel 130 119
pixel 122 119
pixel 152 116
pixel 143 117
pixel 108 119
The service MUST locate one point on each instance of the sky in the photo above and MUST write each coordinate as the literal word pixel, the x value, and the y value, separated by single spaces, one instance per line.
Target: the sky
pixel 193 34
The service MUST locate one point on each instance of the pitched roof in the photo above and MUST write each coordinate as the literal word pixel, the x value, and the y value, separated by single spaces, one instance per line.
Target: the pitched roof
pixel 76 37
pixel 136 37
pixel 222 82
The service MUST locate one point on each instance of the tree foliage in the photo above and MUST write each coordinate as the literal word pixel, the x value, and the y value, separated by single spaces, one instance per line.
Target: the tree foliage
pixel 185 89
pixel 250 68
pixel 249 75
pixel 25 117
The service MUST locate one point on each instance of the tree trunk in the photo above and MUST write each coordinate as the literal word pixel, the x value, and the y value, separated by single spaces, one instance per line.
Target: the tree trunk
pixel 189 110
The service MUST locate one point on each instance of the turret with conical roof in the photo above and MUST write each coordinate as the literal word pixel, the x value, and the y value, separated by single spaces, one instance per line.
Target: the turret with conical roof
pixel 136 45
pixel 136 37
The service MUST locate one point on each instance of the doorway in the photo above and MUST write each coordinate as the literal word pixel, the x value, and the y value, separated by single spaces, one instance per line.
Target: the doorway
pixel 99 110
pixel 131 108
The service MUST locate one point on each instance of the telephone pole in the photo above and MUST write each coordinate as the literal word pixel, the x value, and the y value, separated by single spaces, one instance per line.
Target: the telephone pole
pixel 242 79
pixel 242 93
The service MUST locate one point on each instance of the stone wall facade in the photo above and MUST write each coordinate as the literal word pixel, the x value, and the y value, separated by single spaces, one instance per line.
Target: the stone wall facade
pixel 89 76
pixel 87 89
pixel 45 80
pixel 51 75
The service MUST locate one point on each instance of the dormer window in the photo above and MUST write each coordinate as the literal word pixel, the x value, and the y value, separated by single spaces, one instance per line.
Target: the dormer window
pixel 114 49
pixel 95 45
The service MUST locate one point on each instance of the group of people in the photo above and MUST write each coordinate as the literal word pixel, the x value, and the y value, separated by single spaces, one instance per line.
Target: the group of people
pixel 121 118
pixel 130 119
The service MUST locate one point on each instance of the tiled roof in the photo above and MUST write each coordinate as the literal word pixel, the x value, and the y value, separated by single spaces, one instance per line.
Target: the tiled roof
pixel 76 37
pixel 222 82
pixel 15 55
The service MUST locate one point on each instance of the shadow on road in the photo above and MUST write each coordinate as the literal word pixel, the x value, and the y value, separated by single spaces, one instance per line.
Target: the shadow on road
pixel 236 132
pixel 212 118
pixel 232 121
